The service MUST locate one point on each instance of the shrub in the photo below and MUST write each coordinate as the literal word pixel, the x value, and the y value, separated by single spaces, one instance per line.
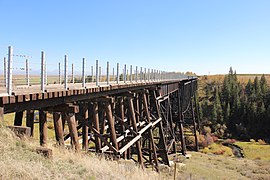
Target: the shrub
pixel 231 141
pixel 215 138
pixel 261 142
pixel 202 141
pixel 209 139
pixel 218 150
pixel 206 130
pixel 190 140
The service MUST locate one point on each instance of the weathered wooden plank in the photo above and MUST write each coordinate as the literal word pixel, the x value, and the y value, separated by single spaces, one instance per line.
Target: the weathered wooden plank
pixel 18 118
pixel 94 111
pixel 58 127
pixel 1 114
pixel 84 112
pixel 72 126
pixel 43 131
pixel 30 120
pixel 5 100
pixel 133 121
pixel 12 99
pixel 46 152
pixel 19 98
pixel 21 131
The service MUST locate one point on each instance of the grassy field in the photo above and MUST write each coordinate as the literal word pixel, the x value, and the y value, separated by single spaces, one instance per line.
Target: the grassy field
pixel 19 161
pixel 243 78
pixel 255 150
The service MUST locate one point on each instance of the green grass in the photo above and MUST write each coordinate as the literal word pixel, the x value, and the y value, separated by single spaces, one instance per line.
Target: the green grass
pixel 9 121
pixel 255 151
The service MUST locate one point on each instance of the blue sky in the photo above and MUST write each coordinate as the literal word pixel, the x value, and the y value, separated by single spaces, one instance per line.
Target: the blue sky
pixel 203 36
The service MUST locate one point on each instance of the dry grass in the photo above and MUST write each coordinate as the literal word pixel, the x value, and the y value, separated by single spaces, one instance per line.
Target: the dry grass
pixel 204 166
pixel 18 161
pixel 255 151
pixel 243 78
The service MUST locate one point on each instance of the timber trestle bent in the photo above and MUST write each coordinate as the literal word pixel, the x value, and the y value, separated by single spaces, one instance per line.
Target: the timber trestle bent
pixel 145 121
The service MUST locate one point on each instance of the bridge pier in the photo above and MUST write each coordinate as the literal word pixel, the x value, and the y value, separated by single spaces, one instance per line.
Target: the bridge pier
pixel 18 118
pixel 30 120
pixel 58 127
pixel 43 130
pixel 72 126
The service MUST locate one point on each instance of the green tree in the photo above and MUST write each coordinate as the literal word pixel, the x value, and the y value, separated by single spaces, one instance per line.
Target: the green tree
pixel 263 84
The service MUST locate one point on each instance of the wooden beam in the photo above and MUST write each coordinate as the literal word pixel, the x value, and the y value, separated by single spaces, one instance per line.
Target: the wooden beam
pixel 1 114
pixel 84 112
pixel 145 105
pixel 181 117
pixel 18 118
pixel 110 119
pixel 163 143
pixel 133 121
pixel 96 126
pixel 72 126
pixel 43 131
pixel 58 127
pixel 122 114
pixel 30 120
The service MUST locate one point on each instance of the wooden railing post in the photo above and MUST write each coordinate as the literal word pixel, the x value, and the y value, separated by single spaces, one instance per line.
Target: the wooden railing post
pixel 130 73
pixel 83 72
pixel 72 74
pixel 117 73
pixel 66 73
pixel 27 72
pixel 125 71
pixel 59 73
pixel 42 71
pixel 108 73
pixel 9 70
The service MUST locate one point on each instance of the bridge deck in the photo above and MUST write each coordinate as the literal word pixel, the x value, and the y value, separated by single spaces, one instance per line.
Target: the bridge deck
pixel 25 97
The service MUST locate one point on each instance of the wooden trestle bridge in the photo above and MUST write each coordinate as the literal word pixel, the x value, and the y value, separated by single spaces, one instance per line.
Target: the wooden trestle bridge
pixel 145 121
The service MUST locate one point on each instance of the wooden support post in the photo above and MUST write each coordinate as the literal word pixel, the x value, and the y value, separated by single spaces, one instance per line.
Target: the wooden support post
pixel 1 114
pixel 58 127
pixel 164 153
pixel 110 119
pixel 137 108
pixel 122 114
pixel 72 126
pixel 30 120
pixel 145 105
pixel 181 118
pixel 171 123
pixel 84 112
pixel 96 126
pixel 133 121
pixel 64 120
pixel 18 118
pixel 43 131
pixel 194 118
